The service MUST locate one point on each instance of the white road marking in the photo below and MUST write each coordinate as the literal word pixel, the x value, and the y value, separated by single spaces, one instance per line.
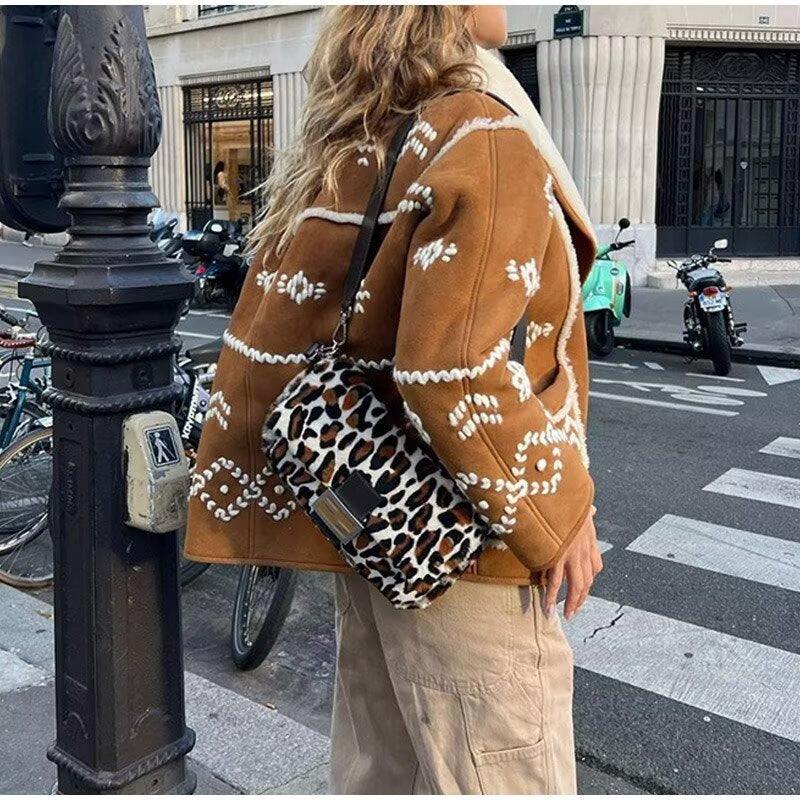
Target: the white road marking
pixel 653 365
pixel 192 334
pixel 740 680
pixel 740 554
pixel 762 486
pixel 783 446
pixel 604 547
pixel 708 395
pixel 715 377
pixel 775 375
pixel 194 313
pixel 617 364
pixel 663 404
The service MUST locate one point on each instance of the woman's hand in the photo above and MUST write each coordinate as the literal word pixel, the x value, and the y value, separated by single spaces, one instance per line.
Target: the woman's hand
pixel 580 564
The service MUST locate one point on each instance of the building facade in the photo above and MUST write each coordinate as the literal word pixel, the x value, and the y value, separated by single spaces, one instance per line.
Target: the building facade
pixel 682 118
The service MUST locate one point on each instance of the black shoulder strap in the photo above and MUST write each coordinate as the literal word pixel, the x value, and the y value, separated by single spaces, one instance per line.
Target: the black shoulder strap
pixel 359 261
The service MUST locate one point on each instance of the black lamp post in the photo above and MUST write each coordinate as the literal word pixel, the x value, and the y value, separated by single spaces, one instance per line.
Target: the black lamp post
pixel 110 301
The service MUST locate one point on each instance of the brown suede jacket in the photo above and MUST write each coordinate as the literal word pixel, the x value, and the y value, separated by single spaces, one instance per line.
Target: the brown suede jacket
pixel 477 227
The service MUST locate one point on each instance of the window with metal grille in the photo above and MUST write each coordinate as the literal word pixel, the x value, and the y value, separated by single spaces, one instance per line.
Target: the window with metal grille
pixel 210 11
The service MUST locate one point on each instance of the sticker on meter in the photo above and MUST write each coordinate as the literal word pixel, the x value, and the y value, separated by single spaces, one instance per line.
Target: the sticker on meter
pixel 163 447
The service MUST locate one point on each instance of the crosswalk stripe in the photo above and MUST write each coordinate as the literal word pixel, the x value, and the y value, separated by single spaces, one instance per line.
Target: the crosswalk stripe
pixel 604 547
pixel 762 486
pixel 719 412
pixel 740 554
pixel 615 364
pixel 783 446
pixel 744 681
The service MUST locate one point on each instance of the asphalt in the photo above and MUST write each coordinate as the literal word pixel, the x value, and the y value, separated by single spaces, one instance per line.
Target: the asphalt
pixel 656 440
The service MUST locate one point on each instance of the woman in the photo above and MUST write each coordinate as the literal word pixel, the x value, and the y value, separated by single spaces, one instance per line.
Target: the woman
pixel 481 222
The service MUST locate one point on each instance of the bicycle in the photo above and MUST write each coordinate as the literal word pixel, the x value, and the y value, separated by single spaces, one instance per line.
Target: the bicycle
pixel 26 472
pixel 264 594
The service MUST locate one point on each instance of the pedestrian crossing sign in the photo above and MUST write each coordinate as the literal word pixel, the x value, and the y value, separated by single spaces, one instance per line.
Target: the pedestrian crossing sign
pixel 162 446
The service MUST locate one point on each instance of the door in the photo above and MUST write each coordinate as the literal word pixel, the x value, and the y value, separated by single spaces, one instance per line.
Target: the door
pixel 728 152
pixel 228 130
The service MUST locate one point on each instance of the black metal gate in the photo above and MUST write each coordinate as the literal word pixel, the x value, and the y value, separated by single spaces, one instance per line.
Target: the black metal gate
pixel 728 163
pixel 521 61
pixel 210 112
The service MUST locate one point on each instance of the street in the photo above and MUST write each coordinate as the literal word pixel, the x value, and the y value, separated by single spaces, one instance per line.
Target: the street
pixel 688 651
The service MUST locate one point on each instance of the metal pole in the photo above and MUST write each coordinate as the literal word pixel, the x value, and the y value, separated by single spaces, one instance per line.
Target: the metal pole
pixel 110 301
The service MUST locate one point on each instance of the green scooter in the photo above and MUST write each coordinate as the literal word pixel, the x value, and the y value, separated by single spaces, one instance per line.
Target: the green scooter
pixel 606 295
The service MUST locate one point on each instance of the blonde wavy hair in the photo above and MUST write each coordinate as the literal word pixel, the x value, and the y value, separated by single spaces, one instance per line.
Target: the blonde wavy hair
pixel 370 66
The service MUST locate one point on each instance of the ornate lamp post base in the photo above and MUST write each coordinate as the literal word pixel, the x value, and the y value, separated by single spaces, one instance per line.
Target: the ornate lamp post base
pixel 110 300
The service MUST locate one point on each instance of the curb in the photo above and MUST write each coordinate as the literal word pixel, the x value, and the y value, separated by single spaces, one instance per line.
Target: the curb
pixel 749 354
pixel 14 272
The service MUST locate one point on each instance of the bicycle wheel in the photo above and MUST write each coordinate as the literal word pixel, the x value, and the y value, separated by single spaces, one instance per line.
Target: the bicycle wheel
pixel 26 473
pixel 263 599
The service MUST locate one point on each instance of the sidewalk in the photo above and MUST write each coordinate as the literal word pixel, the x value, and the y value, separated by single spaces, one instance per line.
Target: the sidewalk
pixel 242 747
pixel 771 312
pixel 16 260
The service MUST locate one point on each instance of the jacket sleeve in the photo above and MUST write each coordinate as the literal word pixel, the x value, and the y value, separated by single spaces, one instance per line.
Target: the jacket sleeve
pixel 512 437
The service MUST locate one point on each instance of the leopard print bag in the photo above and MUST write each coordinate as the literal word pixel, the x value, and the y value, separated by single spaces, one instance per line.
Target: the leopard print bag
pixel 361 470
pixel 371 484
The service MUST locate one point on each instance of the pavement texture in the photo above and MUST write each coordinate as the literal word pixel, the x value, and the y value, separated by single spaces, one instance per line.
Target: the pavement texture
pixel 242 746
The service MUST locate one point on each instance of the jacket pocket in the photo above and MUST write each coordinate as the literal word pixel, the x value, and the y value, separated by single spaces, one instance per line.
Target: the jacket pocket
pixel 518 770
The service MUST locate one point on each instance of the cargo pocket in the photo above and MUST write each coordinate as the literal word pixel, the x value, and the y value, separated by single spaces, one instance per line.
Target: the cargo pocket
pixel 519 770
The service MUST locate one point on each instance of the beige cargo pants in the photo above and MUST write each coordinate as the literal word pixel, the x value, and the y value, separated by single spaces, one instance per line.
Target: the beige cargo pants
pixel 472 695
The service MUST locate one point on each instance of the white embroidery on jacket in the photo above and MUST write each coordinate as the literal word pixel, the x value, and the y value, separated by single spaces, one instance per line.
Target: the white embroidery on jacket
pixel 421 196
pixel 362 295
pixel 252 491
pixel 265 279
pixel 299 288
pixel 420 133
pixel 520 380
pixel 527 273
pixel 428 254
pixel 341 217
pixel 538 331
pixel 219 408
pixel 263 357
pixel 467 422
pixel 478 124
pixel 456 373
pixel 362 160
pixel 550 195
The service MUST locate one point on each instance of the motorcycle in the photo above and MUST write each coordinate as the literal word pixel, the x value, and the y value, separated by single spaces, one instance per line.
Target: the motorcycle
pixel 163 233
pixel 710 327
pixel 214 255
pixel 606 295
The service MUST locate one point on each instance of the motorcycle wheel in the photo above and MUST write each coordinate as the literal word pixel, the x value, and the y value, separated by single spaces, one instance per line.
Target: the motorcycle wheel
pixel 263 599
pixel 719 344
pixel 207 293
pixel 600 333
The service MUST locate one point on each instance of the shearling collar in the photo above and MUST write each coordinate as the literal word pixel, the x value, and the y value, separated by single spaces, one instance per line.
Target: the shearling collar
pixel 501 82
